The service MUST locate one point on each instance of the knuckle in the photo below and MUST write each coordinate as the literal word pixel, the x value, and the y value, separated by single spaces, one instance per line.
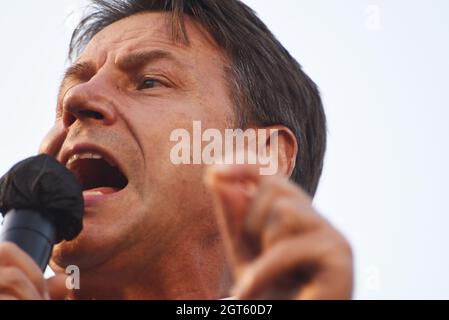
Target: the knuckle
pixel 295 212
pixel 7 250
pixel 275 182
pixel 345 246
pixel 287 205
pixel 285 215
pixel 284 209
pixel 281 204
pixel 288 189
pixel 339 243
pixel 11 276
pixel 14 284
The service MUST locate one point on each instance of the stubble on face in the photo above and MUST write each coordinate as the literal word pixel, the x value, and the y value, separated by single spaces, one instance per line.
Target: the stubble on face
pixel 164 220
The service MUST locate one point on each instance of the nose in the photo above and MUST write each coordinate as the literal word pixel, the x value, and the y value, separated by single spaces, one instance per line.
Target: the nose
pixel 89 102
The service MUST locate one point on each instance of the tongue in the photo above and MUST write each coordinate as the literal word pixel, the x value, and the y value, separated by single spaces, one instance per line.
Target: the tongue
pixel 99 191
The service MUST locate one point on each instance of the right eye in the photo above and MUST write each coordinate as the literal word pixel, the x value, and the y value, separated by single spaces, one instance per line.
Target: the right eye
pixel 149 83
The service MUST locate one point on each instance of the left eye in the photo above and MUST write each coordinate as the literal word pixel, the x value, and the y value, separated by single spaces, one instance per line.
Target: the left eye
pixel 149 84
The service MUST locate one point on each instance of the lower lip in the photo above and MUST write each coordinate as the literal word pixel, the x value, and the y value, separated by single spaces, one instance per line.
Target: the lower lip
pixel 98 195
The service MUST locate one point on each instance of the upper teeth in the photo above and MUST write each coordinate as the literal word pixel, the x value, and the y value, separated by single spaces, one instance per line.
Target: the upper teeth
pixel 84 155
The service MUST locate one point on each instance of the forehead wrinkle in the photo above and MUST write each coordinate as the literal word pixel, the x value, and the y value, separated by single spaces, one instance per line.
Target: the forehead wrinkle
pixel 131 60
pixel 146 32
pixel 133 51
pixel 115 35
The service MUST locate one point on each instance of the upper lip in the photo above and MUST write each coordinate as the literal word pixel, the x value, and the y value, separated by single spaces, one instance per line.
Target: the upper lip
pixel 67 152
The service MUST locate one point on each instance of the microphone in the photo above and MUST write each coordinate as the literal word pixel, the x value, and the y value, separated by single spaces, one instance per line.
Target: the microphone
pixel 42 205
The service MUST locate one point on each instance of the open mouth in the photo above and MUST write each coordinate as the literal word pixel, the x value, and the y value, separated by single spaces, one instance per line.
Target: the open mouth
pixel 96 174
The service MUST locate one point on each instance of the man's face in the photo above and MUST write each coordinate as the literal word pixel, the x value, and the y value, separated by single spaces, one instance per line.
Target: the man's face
pixel 131 88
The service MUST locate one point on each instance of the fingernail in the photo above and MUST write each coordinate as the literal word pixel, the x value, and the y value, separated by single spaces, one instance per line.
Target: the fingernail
pixel 208 178
pixel 213 172
pixel 250 189
pixel 220 168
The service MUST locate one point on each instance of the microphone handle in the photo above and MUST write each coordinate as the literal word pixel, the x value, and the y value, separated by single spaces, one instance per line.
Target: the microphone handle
pixel 32 232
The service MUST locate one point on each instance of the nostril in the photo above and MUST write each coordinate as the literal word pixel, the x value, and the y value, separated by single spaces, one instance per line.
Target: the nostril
pixel 71 117
pixel 68 119
pixel 90 114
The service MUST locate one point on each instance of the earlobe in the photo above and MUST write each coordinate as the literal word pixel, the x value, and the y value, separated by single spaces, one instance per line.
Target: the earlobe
pixel 287 149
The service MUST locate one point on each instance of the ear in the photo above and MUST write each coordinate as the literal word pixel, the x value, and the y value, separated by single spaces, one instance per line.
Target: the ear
pixel 287 149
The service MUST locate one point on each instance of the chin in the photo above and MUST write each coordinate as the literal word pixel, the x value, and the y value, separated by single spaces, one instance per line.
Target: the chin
pixel 101 243
pixel 89 250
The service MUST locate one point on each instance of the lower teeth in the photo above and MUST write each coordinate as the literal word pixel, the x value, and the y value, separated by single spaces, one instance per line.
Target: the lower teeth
pixel 93 193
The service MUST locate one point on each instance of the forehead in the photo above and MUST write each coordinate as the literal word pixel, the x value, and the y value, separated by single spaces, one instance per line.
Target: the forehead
pixel 151 30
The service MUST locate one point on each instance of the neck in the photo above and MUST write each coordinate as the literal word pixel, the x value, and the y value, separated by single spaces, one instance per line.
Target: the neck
pixel 186 270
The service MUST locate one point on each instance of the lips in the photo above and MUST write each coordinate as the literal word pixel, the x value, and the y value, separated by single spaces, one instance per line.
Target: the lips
pixel 97 171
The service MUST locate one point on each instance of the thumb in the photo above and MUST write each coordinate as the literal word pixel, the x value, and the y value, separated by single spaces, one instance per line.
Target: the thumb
pixel 57 288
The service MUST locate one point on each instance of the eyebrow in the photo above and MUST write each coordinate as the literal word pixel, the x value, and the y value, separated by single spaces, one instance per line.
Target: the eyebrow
pixel 138 59
pixel 133 61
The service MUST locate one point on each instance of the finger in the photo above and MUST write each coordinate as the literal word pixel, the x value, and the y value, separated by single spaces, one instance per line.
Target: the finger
pixel 236 171
pixel 7 297
pixel 12 256
pixel 271 188
pixel 233 188
pixel 295 254
pixel 57 287
pixel 230 206
pixel 242 210
pixel 54 139
pixel 14 282
pixel 329 284
pixel 282 218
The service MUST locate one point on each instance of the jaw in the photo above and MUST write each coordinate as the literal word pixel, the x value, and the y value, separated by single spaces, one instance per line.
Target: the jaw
pixel 109 227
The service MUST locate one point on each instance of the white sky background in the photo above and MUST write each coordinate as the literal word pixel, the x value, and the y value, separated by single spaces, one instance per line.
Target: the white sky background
pixel 382 67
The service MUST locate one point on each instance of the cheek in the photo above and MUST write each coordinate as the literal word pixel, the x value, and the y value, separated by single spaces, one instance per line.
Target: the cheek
pixel 173 189
pixel 181 196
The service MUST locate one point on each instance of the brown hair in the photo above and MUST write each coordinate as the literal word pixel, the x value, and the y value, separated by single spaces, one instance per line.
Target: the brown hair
pixel 269 84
